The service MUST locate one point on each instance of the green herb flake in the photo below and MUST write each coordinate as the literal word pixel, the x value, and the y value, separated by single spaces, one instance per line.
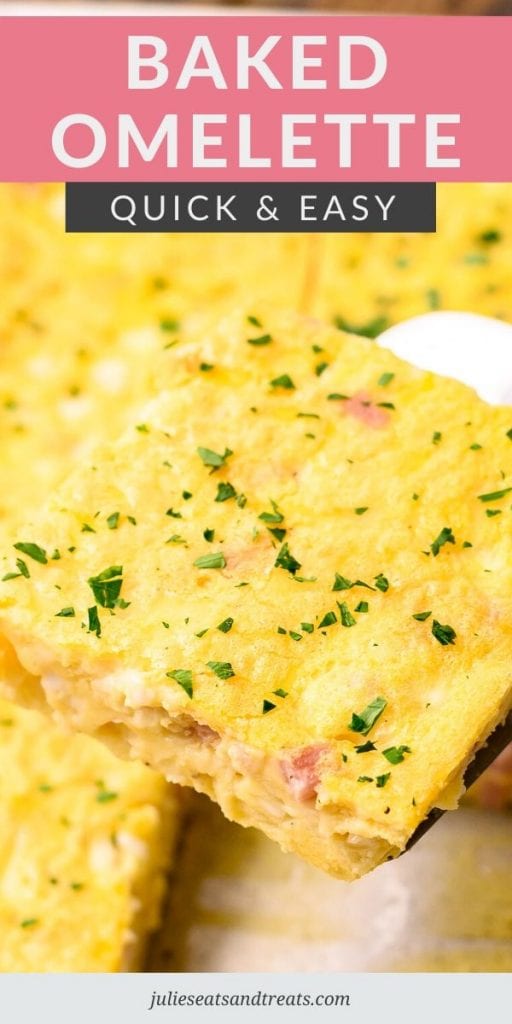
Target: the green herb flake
pixel 169 323
pixel 105 796
pixel 225 491
pixel 113 521
pixel 336 396
pixel 328 620
pixel 186 495
pixel 371 329
pixel 222 669
pixel 280 692
pixel 285 560
pixel 262 339
pixel 307 627
pixel 294 636
pixel 254 321
pixel 215 560
pixel 209 535
pixel 268 706
pixel 226 625
pixel 491 512
pixel 33 551
pixel 475 447
pixel 490 496
pixel 381 780
pixel 272 517
pixel 94 621
pixel 381 583
pixel 206 367
pixel 183 677
pixel 362 606
pixel 436 437
pixel 347 619
pixel 213 459
pixel 86 528
pixel 444 634
pixel 320 368
pixel 365 720
pixel 284 381
pixel 385 379
pixel 29 922
pixel 490 236
pixel 66 613
pixel 341 582
pixel 174 515
pixel 277 532
pixel 445 537
pixel 364 748
pixel 365 778
pixel 23 568
pixel 395 755
pixel 361 510
pixel 106 586
pixel 509 434
pixel 422 616
pixel 142 428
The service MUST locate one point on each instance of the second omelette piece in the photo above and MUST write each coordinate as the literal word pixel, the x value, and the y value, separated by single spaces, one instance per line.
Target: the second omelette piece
pixel 289 586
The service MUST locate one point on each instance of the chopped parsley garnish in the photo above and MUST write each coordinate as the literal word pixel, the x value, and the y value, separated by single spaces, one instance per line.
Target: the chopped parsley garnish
pixel 29 922
pixel 94 621
pixel 337 397
pixel 66 613
pixel 182 676
pixel 436 437
pixel 284 381
pixel 280 692
pixel 433 298
pixel 491 512
pixel 174 515
pixel 225 491
pixel 113 521
pixel 381 583
pixel 294 636
pixel 328 620
pixel 445 634
pixel 385 379
pixel 278 532
pixel 281 630
pixel 364 748
pixel 320 368
pixel 361 510
pixel 254 321
pixel 105 796
pixel 365 778
pixel 490 236
pixel 445 537
pixel 272 517
pixel 509 434
pixel 214 561
pixel 381 780
pixel 213 459
pixel 341 582
pixel 33 551
pixel 23 568
pixel 308 627
pixel 395 755
pixel 186 495
pixel 106 586
pixel 268 706
pixel 222 669
pixel 226 625
pixel 86 528
pixel 347 619
pixel 491 496
pixel 285 560
pixel 421 616
pixel 142 428
pixel 209 535
pixel 371 329
pixel 362 606
pixel 365 720
pixel 263 339
pixel 169 324
pixel 475 447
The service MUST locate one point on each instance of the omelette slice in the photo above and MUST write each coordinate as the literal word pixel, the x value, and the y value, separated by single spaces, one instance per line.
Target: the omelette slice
pixel 288 585
pixel 85 846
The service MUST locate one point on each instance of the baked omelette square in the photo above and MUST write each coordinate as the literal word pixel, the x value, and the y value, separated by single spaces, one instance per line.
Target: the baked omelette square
pixel 289 585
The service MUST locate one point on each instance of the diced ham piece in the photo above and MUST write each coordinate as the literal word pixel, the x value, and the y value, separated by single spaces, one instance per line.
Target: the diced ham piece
pixel 361 407
pixel 301 771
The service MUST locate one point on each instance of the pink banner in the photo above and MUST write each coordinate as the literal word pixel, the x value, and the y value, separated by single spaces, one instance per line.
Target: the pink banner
pixel 255 98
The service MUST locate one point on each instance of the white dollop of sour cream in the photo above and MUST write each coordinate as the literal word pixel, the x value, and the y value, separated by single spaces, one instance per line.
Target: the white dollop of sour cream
pixel 476 350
